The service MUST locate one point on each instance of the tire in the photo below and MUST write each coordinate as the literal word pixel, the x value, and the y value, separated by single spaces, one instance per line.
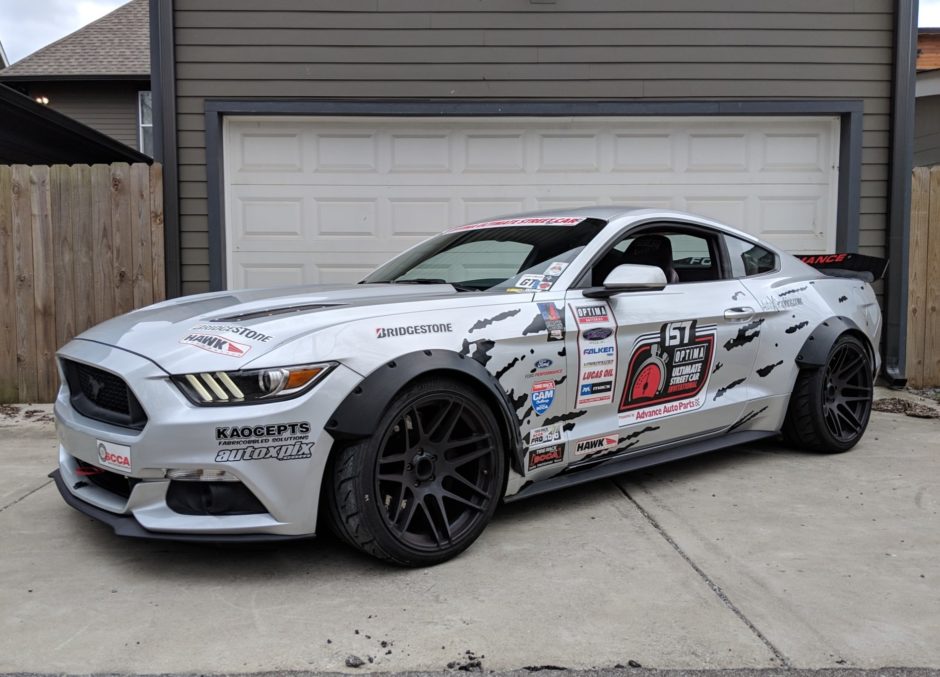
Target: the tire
pixel 830 405
pixel 423 487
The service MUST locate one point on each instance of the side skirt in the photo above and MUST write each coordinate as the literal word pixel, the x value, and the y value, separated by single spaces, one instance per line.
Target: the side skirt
pixel 616 466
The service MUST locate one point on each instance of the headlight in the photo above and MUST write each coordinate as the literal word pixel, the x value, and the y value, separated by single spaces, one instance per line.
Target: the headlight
pixel 253 385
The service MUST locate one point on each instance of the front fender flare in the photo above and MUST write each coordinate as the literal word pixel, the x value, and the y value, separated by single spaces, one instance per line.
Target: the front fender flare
pixel 359 414
pixel 816 347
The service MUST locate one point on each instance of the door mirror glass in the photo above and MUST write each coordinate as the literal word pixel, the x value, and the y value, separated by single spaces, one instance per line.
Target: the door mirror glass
pixel 635 277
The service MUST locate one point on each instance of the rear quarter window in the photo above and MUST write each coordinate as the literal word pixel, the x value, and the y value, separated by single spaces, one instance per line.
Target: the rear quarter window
pixel 749 259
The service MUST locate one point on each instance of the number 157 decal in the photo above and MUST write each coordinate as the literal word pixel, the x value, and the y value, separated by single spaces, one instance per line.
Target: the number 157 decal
pixel 667 372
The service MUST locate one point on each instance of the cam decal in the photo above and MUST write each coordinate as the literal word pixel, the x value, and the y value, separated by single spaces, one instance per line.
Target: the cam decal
pixel 546 456
pixel 668 372
pixel 597 355
pixel 543 394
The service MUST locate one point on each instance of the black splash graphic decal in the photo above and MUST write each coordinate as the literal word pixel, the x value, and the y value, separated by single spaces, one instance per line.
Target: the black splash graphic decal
pixel 571 415
pixel 525 415
pixel 718 365
pixel 482 347
pixel 569 426
pixel 747 418
pixel 796 327
pixel 562 352
pixel 764 371
pixel 487 321
pixel 722 391
pixel 512 363
pixel 741 294
pixel 632 437
pixel 536 326
pixel 746 334
pixel 517 402
pixel 843 299
pixel 791 291
pixel 559 381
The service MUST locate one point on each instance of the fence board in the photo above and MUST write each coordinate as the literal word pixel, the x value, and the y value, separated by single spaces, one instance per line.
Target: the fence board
pixel 103 250
pixel 932 314
pixel 76 248
pixel 80 198
pixel 141 236
pixel 63 255
pixel 43 283
pixel 156 232
pixel 917 276
pixel 23 270
pixel 8 384
pixel 122 239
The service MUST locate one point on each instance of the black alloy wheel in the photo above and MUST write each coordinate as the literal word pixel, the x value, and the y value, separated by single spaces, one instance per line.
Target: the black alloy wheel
pixel 830 405
pixel 423 488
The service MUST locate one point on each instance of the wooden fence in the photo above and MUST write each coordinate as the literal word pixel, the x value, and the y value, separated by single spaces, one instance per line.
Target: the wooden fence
pixel 78 244
pixel 923 314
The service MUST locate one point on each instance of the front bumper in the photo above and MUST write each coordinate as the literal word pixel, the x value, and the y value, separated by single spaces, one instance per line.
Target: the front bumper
pixel 180 435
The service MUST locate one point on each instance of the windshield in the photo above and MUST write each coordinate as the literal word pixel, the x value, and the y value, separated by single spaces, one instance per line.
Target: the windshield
pixel 515 258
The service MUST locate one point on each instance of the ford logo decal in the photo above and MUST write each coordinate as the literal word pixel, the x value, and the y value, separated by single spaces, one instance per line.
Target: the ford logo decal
pixel 543 364
pixel 598 333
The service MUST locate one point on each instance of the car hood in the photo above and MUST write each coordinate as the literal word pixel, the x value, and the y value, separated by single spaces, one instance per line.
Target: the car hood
pixel 228 330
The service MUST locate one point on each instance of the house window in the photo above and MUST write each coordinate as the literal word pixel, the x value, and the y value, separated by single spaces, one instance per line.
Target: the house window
pixel 145 121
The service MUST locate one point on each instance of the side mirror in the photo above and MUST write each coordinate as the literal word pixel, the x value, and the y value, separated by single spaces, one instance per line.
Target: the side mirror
pixel 629 277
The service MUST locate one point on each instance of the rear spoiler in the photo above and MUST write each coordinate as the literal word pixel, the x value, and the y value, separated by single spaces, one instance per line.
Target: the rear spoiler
pixel 868 268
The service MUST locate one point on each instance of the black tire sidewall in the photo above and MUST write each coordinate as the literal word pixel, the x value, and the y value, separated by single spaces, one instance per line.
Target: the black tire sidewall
pixel 372 518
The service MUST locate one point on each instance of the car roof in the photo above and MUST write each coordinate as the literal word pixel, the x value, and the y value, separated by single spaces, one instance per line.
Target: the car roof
pixel 612 212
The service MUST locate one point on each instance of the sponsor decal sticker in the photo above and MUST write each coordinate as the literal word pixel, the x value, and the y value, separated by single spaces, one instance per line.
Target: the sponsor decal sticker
pixel 531 221
pixel 216 344
pixel 597 355
pixel 556 268
pixel 114 456
pixel 243 332
pixel 543 394
pixel 596 445
pixel 281 452
pixel 413 329
pixel 546 456
pixel 554 317
pixel 544 435
pixel 255 432
pixel 598 333
pixel 530 282
pixel 544 363
pixel 592 314
pixel 668 372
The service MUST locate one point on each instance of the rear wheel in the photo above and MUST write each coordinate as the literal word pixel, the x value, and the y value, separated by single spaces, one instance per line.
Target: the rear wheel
pixel 423 487
pixel 830 405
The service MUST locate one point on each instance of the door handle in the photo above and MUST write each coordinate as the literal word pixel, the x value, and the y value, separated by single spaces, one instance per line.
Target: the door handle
pixel 739 314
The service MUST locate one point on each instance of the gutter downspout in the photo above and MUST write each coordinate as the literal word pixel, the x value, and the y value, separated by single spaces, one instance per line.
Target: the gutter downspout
pixel 899 193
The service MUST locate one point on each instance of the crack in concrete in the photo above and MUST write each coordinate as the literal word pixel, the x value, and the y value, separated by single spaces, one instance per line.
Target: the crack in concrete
pixel 26 495
pixel 784 661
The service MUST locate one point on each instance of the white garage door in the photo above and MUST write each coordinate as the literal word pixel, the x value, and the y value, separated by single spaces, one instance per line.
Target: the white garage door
pixel 325 200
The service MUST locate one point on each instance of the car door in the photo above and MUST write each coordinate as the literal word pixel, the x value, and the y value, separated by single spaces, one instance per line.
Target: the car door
pixel 658 366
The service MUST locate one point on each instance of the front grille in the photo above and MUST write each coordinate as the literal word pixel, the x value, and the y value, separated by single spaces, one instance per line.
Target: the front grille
pixel 102 396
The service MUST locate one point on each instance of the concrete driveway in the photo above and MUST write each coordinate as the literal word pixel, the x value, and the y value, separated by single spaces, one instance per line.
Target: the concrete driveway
pixel 754 557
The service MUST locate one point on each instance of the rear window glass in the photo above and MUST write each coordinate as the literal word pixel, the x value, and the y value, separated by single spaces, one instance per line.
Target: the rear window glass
pixel 748 258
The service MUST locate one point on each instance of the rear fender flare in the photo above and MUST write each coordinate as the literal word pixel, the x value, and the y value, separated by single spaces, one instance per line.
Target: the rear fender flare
pixel 359 414
pixel 816 347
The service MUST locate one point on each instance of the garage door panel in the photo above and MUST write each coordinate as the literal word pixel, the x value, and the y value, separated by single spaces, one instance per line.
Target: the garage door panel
pixel 326 199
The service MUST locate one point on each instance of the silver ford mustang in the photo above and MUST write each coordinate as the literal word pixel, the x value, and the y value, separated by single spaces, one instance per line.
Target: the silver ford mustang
pixel 498 360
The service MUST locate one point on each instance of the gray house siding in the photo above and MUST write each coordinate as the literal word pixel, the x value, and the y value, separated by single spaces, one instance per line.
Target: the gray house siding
pixel 516 49
pixel 108 107
pixel 927 131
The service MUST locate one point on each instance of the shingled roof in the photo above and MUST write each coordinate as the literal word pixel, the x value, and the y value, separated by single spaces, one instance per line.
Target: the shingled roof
pixel 117 44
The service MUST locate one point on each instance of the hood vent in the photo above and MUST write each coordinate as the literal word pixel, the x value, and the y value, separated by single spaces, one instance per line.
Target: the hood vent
pixel 271 312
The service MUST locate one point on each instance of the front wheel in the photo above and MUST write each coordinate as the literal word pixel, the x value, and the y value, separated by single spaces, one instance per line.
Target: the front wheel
pixel 830 405
pixel 423 487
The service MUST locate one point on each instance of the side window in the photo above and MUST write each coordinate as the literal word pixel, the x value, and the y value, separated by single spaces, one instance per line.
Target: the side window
pixel 684 255
pixel 748 258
